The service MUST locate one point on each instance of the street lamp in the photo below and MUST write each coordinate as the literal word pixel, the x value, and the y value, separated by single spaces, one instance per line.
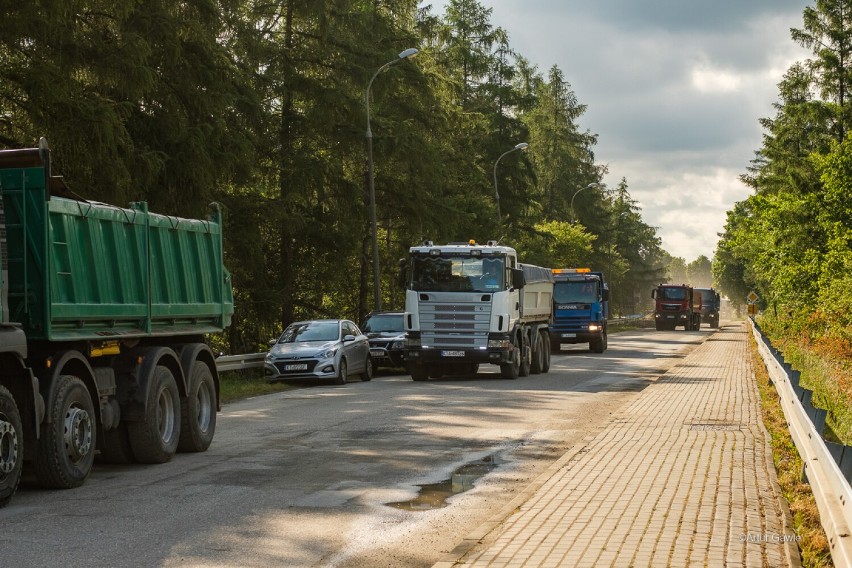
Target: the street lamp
pixel 520 146
pixel 591 185
pixel 377 292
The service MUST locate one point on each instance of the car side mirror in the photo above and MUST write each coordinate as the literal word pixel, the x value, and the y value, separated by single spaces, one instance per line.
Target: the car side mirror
pixel 272 342
pixel 347 338
pixel 518 279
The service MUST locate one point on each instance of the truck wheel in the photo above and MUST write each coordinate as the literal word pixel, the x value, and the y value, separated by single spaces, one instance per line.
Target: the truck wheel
pixel 512 369
pixel 66 448
pixel 198 411
pixel 11 450
pixel 155 439
pixel 598 344
pixel 418 372
pixel 526 357
pixel 115 446
pixel 537 355
pixel 546 366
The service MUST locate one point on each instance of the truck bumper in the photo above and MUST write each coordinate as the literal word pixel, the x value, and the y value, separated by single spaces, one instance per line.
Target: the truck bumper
pixel 450 357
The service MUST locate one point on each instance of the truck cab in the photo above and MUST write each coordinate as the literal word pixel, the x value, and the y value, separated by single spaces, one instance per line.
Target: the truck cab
pixel 711 302
pixel 580 308
pixel 468 304
pixel 676 305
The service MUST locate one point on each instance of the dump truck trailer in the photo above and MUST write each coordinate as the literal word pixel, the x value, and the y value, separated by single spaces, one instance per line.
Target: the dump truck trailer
pixel 103 317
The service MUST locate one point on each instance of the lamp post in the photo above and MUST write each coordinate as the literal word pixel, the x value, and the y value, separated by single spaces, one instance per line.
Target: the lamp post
pixel 591 185
pixel 377 292
pixel 519 146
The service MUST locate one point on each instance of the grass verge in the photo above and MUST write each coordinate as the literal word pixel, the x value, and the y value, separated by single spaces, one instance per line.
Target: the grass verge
pixel 237 385
pixel 788 465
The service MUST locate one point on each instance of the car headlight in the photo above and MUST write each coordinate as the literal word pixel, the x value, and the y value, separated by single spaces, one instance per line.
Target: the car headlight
pixel 327 354
pixel 396 345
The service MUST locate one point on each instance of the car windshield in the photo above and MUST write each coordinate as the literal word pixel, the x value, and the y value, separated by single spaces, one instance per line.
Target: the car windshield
pixel 383 323
pixel 458 274
pixel 310 331
pixel 575 292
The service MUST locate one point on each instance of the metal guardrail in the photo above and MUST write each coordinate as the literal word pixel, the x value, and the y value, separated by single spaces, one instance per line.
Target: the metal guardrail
pixel 831 489
pixel 240 362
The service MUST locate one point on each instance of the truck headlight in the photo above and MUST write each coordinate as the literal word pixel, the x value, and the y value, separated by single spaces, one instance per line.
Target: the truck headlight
pixel 411 343
pixel 502 343
pixel 594 327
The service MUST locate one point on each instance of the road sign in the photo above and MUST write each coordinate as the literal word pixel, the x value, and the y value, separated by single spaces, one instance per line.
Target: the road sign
pixel 752 297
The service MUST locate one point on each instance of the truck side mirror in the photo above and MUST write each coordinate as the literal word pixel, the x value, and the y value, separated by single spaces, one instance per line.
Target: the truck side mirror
pixel 605 295
pixel 654 293
pixel 518 279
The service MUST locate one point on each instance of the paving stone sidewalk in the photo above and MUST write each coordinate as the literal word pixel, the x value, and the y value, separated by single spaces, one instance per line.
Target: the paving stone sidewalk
pixel 682 477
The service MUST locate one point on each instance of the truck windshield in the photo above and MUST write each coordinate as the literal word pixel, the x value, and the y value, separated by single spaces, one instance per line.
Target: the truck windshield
pixel 672 293
pixel 458 274
pixel 575 292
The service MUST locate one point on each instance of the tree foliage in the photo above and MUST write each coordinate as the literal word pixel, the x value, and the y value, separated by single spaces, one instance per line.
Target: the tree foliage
pixel 261 106
pixel 790 240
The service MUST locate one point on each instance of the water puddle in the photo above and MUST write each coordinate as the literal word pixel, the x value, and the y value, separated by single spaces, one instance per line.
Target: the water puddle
pixel 435 495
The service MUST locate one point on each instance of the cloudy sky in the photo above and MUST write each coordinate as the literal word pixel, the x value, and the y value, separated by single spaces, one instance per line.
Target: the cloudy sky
pixel 674 90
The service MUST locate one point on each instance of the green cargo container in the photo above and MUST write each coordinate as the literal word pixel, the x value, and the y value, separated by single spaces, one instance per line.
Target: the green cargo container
pixel 90 271
pixel 103 312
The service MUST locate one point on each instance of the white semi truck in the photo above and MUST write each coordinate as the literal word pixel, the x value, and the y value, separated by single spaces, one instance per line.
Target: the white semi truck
pixel 467 304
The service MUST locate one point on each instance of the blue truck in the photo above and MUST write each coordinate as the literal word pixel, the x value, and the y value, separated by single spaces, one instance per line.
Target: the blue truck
pixel 710 305
pixel 580 309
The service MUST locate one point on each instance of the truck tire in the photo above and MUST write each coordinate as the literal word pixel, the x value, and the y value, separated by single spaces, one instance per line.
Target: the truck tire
pixel 115 447
pixel 198 411
pixel 155 439
pixel 11 448
pixel 537 363
pixel 66 448
pixel 418 372
pixel 598 344
pixel 511 370
pixel 546 366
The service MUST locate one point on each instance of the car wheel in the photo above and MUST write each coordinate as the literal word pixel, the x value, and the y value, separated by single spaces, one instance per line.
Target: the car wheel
pixel 368 370
pixel 342 374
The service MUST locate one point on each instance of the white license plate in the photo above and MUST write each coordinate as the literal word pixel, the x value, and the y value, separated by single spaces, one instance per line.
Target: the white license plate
pixel 377 352
pixel 670 317
pixel 569 335
pixel 296 367
pixel 452 353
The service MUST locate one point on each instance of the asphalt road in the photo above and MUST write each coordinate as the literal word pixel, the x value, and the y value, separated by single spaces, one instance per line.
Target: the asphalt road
pixel 303 478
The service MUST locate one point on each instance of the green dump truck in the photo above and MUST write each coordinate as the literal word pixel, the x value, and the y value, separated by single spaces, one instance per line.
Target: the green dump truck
pixel 102 323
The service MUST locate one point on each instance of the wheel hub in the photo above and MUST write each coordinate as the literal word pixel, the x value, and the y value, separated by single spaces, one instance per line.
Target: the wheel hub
pixel 8 447
pixel 78 433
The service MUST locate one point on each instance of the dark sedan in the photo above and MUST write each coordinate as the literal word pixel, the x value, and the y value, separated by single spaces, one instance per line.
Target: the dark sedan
pixel 386 333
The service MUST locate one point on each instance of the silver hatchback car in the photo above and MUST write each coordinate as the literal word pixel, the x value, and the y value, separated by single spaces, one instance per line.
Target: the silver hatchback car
pixel 319 349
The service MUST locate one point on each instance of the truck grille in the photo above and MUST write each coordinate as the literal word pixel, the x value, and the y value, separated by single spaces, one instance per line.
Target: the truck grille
pixel 460 321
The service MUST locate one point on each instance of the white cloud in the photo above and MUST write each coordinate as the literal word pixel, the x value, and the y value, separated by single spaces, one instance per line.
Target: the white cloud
pixel 674 92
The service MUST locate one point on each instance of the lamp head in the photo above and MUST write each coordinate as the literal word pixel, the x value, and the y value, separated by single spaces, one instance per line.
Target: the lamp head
pixel 522 146
pixel 408 53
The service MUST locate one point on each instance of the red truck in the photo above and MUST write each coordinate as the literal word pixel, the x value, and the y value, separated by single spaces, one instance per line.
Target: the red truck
pixel 676 304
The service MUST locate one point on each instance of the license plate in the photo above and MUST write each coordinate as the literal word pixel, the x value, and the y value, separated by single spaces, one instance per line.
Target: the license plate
pixel 452 353
pixel 670 317
pixel 377 352
pixel 296 367
pixel 569 335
